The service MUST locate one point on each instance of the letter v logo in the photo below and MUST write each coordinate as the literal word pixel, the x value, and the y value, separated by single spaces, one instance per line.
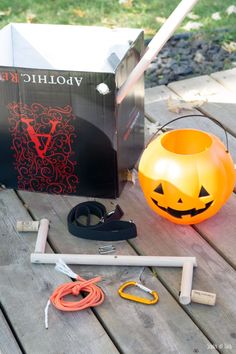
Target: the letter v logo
pixel 41 141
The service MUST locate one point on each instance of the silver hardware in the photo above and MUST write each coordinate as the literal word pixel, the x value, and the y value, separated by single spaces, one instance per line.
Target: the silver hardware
pixel 110 213
pixel 106 249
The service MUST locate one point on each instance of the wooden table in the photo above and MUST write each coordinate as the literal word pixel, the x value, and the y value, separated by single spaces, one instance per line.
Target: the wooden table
pixel 119 325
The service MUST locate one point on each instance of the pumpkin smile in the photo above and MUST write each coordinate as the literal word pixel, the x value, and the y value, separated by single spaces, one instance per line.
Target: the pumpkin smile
pixel 179 213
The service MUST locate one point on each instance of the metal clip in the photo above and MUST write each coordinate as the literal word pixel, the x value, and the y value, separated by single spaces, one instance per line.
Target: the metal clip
pixel 106 249
pixel 110 213
pixel 137 298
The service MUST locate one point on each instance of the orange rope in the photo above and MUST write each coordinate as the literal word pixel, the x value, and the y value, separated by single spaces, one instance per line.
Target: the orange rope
pixel 94 297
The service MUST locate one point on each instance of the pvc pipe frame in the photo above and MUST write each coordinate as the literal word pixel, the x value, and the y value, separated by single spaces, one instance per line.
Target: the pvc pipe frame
pixel 39 256
pixel 187 263
pixel 42 236
pixel 186 283
pixel 113 260
pixel 156 45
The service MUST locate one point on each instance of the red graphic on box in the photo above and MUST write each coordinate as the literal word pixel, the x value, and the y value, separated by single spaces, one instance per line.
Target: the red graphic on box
pixel 42 138
pixel 9 76
pixel 41 145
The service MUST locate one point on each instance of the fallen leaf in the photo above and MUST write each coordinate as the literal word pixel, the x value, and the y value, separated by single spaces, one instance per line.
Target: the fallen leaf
pixel 229 47
pixel 149 32
pixel 216 16
pixel 108 22
pixel 129 176
pixel 231 10
pixel 193 16
pixel 192 25
pixel 78 12
pixel 126 3
pixel 152 128
pixel 30 17
pixel 160 19
pixel 5 13
pixel 176 106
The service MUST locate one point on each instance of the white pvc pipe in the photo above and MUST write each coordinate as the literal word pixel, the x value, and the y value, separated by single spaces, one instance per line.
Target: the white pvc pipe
pixel 186 283
pixel 156 45
pixel 42 236
pixel 113 260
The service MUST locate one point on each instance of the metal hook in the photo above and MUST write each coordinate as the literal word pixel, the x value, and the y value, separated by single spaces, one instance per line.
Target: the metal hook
pixel 137 298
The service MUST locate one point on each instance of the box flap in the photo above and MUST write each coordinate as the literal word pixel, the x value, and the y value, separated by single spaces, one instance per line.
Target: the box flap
pixel 66 47
pixel 6 55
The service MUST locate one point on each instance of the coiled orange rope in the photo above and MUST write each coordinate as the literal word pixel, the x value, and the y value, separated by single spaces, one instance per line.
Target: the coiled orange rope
pixel 94 296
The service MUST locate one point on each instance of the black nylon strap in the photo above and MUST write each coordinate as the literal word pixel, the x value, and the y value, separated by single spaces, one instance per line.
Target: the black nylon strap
pixel 109 228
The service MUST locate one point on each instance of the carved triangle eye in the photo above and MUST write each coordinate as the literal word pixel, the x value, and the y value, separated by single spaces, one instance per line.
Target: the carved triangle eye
pixel 203 192
pixel 159 189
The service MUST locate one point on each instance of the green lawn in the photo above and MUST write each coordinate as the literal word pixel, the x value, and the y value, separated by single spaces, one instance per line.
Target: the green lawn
pixel 142 14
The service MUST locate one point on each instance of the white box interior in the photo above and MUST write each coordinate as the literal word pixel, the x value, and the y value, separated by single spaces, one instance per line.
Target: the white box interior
pixel 64 47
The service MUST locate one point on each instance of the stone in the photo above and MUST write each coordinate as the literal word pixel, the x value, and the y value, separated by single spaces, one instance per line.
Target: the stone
pixel 163 81
pixel 181 43
pixel 186 55
pixel 199 57
pixel 170 63
pixel 183 70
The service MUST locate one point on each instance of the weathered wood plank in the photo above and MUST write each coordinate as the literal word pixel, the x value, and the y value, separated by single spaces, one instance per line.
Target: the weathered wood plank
pixel 25 289
pixel 220 103
pixel 136 328
pixel 158 236
pixel 158 110
pixel 156 104
pixel 8 343
pixel 157 95
pixel 219 231
pixel 225 244
pixel 227 79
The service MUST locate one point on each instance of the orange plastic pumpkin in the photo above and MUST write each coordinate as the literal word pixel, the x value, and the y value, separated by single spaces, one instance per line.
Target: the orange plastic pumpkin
pixel 186 175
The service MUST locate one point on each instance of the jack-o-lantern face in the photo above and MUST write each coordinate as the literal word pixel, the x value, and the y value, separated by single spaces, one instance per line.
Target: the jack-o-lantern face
pixel 183 202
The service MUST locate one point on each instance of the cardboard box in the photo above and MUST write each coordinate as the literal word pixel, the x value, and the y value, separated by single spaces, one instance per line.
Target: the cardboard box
pixel 61 130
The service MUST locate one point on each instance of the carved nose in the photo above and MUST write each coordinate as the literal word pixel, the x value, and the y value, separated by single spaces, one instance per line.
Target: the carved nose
pixel 180 200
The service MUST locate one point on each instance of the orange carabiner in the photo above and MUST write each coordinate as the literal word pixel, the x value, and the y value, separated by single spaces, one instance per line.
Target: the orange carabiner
pixel 137 298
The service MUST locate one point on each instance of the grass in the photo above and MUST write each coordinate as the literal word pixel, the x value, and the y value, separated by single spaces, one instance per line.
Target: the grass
pixel 140 14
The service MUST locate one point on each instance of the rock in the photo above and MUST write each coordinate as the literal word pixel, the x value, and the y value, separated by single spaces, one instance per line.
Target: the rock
pixel 197 43
pixel 181 43
pixel 165 53
pixel 183 70
pixel 170 63
pixel 218 66
pixel 179 36
pixel 151 68
pixel 187 55
pixel 163 81
pixel 199 57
